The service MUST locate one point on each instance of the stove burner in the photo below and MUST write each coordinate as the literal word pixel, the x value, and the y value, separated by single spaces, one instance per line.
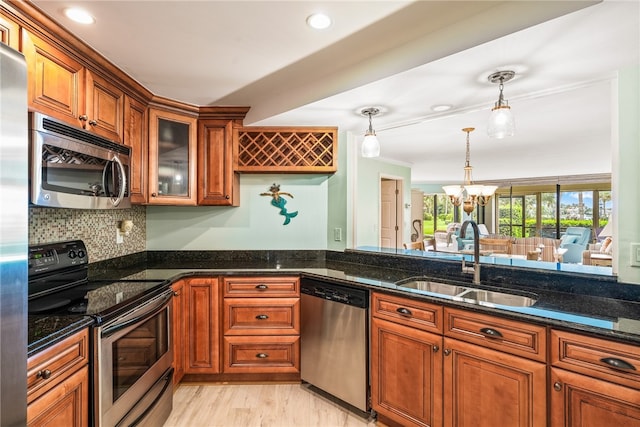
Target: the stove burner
pixel 47 305
pixel 79 308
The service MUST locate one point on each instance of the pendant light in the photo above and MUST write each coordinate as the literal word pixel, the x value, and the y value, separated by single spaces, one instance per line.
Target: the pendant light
pixel 501 122
pixel 370 144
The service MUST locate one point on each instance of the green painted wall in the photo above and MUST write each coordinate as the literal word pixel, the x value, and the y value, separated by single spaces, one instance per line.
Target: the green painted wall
pixel 626 174
pixel 337 206
pixel 255 224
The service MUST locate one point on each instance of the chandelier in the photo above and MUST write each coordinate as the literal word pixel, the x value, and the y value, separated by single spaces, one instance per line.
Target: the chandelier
pixel 469 194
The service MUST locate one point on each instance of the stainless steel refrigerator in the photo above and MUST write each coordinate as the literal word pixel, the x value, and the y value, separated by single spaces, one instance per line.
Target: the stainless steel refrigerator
pixel 13 237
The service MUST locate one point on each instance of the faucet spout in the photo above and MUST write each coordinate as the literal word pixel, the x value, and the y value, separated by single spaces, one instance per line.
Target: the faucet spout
pixel 476 249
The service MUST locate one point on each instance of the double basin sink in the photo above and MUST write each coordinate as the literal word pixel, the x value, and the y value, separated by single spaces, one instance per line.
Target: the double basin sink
pixel 469 294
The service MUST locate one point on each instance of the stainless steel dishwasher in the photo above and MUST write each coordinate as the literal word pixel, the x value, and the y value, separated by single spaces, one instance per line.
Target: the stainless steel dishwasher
pixel 334 340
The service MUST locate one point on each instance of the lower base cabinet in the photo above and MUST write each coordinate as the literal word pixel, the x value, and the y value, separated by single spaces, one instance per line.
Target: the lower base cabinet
pixel 488 388
pixel 406 379
pixel 581 401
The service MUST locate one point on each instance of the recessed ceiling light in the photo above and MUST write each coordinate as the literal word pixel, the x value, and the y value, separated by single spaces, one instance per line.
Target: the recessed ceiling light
pixel 80 16
pixel 318 21
pixel 441 107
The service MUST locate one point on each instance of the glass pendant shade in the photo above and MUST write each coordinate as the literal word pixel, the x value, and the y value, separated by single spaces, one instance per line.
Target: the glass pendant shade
pixel 501 122
pixel 370 146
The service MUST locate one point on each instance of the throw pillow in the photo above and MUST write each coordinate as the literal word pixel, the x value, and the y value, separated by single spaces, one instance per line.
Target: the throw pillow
pixel 568 238
pixel 607 246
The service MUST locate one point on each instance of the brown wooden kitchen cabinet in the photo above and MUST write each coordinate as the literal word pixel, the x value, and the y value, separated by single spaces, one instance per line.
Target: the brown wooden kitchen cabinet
pixel 593 382
pixel 178 328
pixel 406 361
pixel 172 158
pixel 495 371
pixel 60 86
pixel 261 325
pixel 203 326
pixel 58 384
pixel 218 183
pixel 136 126
pixel 9 32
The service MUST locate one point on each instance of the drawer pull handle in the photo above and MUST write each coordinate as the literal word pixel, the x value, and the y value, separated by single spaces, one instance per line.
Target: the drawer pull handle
pixel 44 374
pixel 491 333
pixel 262 317
pixel 262 355
pixel 618 363
pixel 404 311
pixel 557 386
pixel 262 286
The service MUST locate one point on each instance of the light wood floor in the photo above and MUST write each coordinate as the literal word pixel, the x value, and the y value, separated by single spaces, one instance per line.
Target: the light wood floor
pixel 257 405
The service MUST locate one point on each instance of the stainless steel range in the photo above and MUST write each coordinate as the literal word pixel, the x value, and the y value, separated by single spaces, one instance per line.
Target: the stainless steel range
pixel 131 339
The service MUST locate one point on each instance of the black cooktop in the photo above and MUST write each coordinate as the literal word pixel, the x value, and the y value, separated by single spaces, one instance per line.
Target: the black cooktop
pixel 59 284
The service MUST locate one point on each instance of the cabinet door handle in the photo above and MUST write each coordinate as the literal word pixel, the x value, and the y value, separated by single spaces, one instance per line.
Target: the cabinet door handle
pixel 404 311
pixel 83 117
pixel 491 333
pixel 435 348
pixel 262 286
pixel 153 194
pixel 227 196
pixel 447 352
pixel 262 317
pixel 557 386
pixel 45 374
pixel 618 363
pixel 176 294
pixel 262 355
pixel 93 122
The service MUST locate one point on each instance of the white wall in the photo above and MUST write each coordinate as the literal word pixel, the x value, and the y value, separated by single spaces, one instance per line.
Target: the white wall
pixel 254 225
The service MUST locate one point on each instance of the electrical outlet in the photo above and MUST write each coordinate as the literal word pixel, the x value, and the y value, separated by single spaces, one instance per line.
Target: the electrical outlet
pixel 119 238
pixel 635 254
pixel 119 297
pixel 337 234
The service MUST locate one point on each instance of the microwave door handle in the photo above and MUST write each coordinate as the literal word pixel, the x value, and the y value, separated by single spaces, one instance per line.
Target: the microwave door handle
pixel 123 173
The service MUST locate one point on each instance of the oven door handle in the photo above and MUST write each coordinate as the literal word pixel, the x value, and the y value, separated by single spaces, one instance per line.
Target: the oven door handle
pixel 150 309
pixel 167 378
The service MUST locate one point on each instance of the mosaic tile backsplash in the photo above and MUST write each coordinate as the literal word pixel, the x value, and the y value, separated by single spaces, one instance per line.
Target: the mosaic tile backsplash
pixel 97 228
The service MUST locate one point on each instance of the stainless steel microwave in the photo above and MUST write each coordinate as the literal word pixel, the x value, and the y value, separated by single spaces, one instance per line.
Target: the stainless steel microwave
pixel 74 168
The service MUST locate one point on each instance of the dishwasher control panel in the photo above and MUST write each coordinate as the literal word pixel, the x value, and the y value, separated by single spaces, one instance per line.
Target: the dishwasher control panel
pixel 334 292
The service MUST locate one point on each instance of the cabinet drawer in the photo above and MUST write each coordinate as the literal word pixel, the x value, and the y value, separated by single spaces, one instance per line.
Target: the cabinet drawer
pixel 261 316
pixel 612 361
pixel 261 286
pixel 278 354
pixel 49 367
pixel 417 314
pixel 511 336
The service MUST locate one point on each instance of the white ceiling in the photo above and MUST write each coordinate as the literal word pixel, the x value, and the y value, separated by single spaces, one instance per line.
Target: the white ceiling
pixel 401 56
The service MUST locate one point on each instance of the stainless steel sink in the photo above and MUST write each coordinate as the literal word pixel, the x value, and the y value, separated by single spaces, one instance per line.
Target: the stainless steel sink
pixel 492 298
pixel 471 295
pixel 434 287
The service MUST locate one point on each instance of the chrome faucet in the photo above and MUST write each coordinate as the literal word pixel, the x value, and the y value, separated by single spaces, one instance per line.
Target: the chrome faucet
pixel 476 250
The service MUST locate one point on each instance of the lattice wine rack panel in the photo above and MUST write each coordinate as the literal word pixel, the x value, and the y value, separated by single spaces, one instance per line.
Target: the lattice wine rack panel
pixel 280 149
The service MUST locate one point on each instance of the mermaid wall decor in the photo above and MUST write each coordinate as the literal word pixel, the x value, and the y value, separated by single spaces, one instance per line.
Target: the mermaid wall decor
pixel 279 202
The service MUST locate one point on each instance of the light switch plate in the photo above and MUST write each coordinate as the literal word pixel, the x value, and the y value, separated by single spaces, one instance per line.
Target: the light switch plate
pixel 635 254
pixel 337 234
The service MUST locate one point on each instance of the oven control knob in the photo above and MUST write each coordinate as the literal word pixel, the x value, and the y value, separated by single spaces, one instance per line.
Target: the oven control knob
pixel 81 253
pixel 72 254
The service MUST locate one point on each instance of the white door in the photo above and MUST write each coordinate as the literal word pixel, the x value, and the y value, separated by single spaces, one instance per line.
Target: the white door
pixel 390 229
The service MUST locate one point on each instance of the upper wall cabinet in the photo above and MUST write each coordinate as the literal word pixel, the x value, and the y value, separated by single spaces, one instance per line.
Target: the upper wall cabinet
pixel 9 32
pixel 172 158
pixel 136 126
pixel 218 183
pixel 60 86
pixel 287 149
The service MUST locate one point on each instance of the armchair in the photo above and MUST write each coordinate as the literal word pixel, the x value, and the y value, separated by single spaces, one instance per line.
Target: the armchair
pixel 575 241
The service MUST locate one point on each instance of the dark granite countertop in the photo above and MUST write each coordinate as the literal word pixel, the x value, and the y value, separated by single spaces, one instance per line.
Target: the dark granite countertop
pixel 44 331
pixel 559 301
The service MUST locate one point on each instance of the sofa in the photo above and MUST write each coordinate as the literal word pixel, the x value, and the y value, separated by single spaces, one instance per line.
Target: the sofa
pixel 575 240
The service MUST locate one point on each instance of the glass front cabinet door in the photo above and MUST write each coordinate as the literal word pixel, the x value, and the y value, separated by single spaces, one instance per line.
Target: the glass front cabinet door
pixel 172 158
